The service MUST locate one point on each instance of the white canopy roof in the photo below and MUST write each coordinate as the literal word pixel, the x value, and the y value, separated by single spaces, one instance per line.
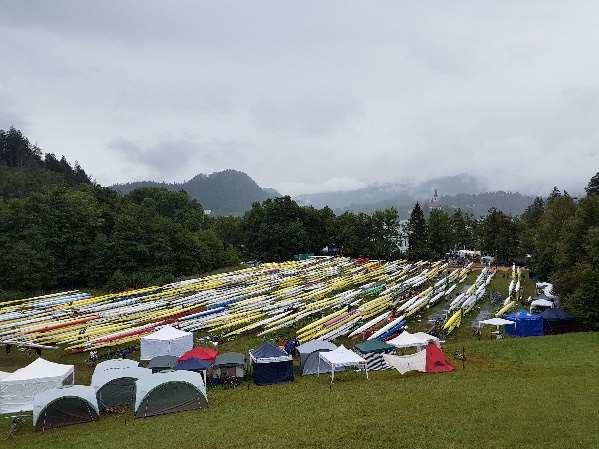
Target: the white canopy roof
pixel 40 369
pixel 165 341
pixel 428 337
pixel 342 357
pixel 41 400
pixel 18 388
pixel 541 303
pixel 496 322
pixel 4 374
pixel 166 333
pixel 407 340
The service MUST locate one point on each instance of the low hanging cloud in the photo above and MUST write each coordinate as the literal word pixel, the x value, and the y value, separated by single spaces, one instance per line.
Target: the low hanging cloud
pixel 309 116
pixel 309 96
pixel 164 160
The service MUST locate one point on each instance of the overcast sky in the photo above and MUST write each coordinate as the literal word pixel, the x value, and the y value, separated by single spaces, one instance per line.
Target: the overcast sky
pixel 309 95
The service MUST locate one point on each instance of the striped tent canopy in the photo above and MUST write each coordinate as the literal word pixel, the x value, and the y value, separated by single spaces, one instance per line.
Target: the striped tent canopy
pixel 372 351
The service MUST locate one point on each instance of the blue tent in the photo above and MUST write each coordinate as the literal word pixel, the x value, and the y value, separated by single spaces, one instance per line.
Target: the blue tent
pixel 526 324
pixel 271 365
pixel 193 365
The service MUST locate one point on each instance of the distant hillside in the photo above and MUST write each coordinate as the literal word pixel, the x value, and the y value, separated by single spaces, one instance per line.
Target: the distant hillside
pixel 460 191
pixel 396 193
pixel 229 192
pixel 478 204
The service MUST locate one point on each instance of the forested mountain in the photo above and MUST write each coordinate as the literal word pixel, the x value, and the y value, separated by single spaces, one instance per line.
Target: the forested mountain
pixel 228 192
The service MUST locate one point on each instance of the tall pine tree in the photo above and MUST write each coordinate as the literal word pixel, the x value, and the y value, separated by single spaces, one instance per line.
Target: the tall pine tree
pixel 592 187
pixel 417 234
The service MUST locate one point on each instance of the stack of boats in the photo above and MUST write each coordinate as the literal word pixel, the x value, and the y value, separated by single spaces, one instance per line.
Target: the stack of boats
pixel 340 295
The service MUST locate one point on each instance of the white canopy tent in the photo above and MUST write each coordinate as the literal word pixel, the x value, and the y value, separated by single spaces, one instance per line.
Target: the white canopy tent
pixel 407 340
pixel 341 358
pixel 495 322
pixel 18 389
pixel 165 341
pixel 541 303
pixel 428 337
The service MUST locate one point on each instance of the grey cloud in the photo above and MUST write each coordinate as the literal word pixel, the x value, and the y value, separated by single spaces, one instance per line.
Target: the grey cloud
pixel 166 158
pixel 309 116
pixel 309 95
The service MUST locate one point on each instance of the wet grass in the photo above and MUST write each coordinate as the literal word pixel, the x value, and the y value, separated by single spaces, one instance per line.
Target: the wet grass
pixel 527 393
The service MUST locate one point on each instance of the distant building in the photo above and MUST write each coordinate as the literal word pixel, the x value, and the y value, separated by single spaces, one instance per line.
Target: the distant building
pixel 435 201
pixel 207 211
pixel 402 241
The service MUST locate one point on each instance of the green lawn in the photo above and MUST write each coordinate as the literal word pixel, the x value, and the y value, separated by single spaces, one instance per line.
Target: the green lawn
pixel 538 392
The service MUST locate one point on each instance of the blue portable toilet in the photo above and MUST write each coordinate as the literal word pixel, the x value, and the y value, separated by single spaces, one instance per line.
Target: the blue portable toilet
pixel 526 324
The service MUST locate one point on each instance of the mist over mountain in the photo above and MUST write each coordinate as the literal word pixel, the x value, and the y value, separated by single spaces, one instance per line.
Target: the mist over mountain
pixel 460 191
pixel 228 192
pixel 232 192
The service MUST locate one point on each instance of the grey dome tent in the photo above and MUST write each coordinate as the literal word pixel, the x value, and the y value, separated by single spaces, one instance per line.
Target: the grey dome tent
pixel 228 366
pixel 116 387
pixel 169 392
pixel 309 355
pixel 64 406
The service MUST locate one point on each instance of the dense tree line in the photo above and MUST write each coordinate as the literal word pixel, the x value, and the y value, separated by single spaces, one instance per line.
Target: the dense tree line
pixel 556 237
pixel 59 230
pixel 25 169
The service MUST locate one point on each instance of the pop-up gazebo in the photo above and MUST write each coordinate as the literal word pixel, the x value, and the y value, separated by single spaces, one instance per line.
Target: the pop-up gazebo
pixel 525 324
pixel 18 389
pixel 407 340
pixel 340 358
pixel 165 341
pixel 271 365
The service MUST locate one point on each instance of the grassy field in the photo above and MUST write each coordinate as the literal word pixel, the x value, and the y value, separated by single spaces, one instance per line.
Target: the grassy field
pixel 513 393
pixel 526 393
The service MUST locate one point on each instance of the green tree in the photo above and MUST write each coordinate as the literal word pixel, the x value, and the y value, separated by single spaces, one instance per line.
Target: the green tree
pixel 499 236
pixel 592 187
pixel 417 238
pixel 439 233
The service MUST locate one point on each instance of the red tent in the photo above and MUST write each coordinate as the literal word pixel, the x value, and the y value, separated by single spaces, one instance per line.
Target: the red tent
pixel 207 354
pixel 435 360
